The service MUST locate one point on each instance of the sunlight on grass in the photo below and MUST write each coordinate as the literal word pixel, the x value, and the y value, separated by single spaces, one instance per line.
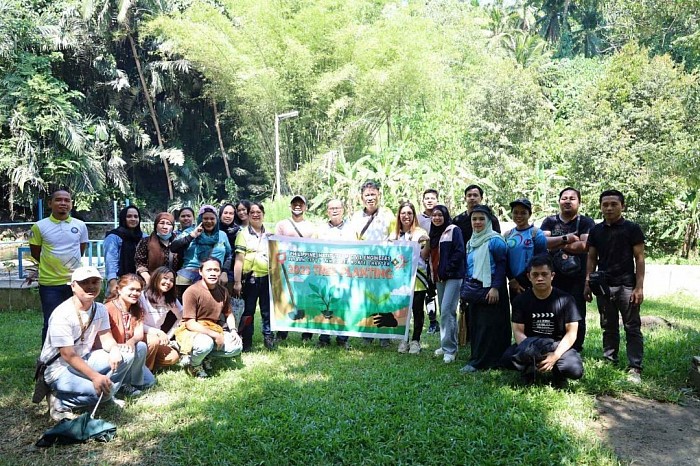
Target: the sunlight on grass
pixel 370 405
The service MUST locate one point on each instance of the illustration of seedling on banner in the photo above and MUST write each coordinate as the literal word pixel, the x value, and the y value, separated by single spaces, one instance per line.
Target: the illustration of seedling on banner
pixel 327 297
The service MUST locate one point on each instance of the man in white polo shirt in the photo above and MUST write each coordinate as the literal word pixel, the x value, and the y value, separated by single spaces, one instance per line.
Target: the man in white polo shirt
pixel 76 374
pixel 57 243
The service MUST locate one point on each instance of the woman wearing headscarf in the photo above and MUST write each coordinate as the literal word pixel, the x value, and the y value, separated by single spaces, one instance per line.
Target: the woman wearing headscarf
pixel 485 290
pixel 199 242
pixel 447 269
pixel 154 250
pixel 120 246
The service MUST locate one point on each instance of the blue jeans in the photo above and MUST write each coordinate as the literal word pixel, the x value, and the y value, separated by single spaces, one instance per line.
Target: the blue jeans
pixel 139 375
pixel 74 389
pixel 203 346
pixel 448 298
pixel 51 297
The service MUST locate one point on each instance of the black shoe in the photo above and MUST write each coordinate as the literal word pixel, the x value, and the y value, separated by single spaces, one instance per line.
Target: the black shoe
pixel 559 382
pixel 269 342
pixel 434 327
pixel 247 349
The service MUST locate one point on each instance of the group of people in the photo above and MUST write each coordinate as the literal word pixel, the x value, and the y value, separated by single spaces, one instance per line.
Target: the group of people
pixel 168 294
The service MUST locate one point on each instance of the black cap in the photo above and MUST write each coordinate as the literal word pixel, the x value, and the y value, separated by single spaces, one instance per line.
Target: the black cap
pixel 484 209
pixel 523 202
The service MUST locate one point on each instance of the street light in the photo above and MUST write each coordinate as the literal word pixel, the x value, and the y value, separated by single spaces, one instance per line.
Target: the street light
pixel 278 118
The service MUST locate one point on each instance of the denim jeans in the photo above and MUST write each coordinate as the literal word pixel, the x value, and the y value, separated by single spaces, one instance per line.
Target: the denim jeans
pixel 51 297
pixel 203 346
pixel 609 307
pixel 74 389
pixel 448 298
pixel 139 375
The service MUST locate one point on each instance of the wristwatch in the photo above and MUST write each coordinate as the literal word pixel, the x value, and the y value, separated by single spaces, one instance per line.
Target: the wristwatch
pixel 565 239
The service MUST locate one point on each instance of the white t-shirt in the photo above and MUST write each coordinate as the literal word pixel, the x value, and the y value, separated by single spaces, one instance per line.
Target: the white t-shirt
pixel 65 329
pixel 154 316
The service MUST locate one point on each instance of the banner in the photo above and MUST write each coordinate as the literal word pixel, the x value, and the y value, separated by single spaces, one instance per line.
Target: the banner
pixel 359 288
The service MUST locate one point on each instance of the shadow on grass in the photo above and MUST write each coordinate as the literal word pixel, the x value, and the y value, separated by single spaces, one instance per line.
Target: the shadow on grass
pixel 329 406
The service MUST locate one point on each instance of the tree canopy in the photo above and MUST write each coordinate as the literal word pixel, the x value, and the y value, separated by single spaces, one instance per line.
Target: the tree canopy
pixel 174 101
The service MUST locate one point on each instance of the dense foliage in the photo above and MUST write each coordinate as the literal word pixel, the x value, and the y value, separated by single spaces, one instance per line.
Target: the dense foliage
pixel 175 101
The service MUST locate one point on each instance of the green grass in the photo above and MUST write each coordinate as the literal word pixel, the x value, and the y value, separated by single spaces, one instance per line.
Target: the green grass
pixel 303 405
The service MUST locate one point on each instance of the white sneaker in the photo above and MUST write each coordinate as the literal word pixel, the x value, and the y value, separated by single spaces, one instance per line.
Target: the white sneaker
pixel 634 376
pixel 403 347
pixel 57 411
pixel 439 352
pixel 118 403
pixel 414 347
pixel 448 358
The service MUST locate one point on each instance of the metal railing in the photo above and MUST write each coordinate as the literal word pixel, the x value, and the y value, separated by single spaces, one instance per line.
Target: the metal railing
pixel 94 253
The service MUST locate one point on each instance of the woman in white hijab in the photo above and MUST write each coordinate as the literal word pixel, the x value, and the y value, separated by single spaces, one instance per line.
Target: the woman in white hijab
pixel 485 290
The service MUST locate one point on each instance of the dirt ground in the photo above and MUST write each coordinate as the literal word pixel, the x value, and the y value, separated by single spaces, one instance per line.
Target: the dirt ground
pixel 648 432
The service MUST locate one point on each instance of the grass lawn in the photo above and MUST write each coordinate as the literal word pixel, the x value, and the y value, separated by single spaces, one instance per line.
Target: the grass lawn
pixel 370 405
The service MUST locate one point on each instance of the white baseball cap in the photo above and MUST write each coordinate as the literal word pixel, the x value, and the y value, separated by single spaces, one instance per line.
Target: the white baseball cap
pixel 83 273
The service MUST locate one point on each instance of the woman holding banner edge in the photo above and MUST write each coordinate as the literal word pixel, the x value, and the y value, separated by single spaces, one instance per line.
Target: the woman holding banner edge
pixel 407 229
pixel 447 261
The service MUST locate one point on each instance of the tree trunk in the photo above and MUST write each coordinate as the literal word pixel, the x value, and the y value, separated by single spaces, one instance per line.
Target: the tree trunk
pixel 221 141
pixel 152 111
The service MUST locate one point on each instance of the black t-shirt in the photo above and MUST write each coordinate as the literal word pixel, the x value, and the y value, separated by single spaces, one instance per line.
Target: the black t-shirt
pixel 558 227
pixel 614 245
pixel 464 222
pixel 545 317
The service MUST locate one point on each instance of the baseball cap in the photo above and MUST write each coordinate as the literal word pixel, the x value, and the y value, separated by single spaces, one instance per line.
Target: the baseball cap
pixel 298 196
pixel 523 202
pixel 83 273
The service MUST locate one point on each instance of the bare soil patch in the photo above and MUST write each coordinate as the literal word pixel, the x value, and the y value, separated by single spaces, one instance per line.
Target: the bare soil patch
pixel 649 432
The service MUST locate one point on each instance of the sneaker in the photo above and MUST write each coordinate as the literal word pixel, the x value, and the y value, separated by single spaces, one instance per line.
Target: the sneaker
pixel 118 403
pixel 184 360
pixel 57 411
pixel 559 382
pixel 403 347
pixel 129 390
pixel 439 352
pixel 197 371
pixel 269 342
pixel 414 347
pixel 468 369
pixel 449 358
pixel 384 342
pixel 634 376
pixel 434 327
pixel 206 364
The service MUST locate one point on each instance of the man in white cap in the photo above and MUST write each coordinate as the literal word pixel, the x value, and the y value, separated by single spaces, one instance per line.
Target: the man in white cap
pixel 77 375
pixel 296 226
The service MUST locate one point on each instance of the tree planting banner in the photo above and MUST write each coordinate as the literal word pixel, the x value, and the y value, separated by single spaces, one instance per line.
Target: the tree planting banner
pixel 358 288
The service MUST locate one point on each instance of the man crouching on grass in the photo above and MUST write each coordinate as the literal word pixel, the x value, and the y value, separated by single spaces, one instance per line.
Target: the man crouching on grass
pixel 76 375
pixel 201 335
pixel 545 324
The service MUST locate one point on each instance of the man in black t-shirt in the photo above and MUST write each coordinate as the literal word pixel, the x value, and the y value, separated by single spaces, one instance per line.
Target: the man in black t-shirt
pixel 568 231
pixel 616 247
pixel 544 311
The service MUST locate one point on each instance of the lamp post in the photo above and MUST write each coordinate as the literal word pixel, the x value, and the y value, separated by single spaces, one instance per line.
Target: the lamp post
pixel 278 118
